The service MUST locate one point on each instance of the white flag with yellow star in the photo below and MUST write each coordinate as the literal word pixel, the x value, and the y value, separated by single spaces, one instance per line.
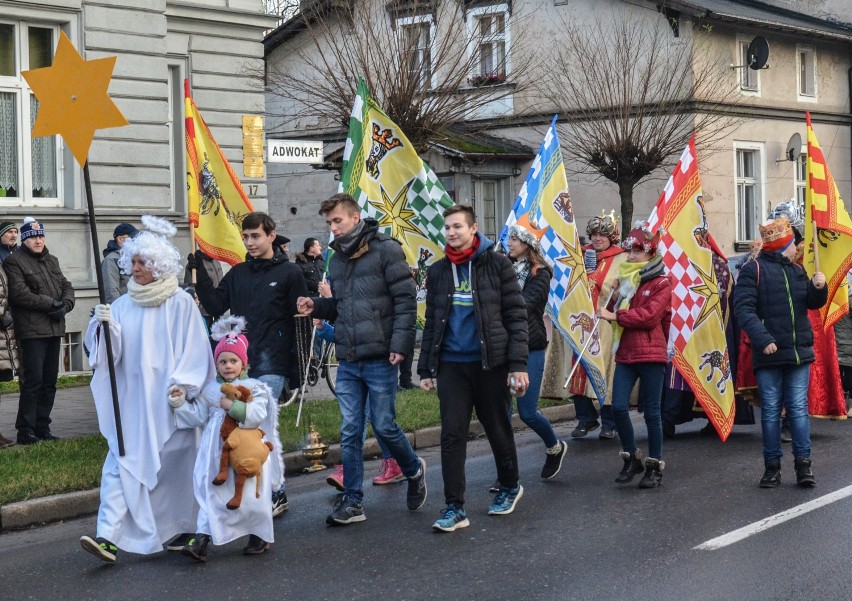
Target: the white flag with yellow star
pixel 392 184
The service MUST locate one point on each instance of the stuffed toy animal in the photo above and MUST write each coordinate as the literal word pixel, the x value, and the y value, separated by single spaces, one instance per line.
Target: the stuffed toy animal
pixel 243 449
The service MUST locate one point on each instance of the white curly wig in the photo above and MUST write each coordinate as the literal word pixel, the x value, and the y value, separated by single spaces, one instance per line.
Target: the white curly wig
pixel 152 245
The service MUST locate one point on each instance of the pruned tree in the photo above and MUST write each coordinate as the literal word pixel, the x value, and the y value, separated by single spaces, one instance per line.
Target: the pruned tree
pixel 631 92
pixel 284 8
pixel 427 63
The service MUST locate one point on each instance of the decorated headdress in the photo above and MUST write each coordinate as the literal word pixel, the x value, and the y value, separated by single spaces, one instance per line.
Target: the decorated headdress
pixel 229 332
pixel 525 236
pixel 641 238
pixel 777 234
pixel 153 246
pixel 792 210
pixel 605 225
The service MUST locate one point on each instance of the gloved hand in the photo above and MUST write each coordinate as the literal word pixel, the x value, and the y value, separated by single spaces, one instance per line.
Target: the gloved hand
pixel 103 313
pixel 58 312
pixel 191 261
pixel 6 321
pixel 177 396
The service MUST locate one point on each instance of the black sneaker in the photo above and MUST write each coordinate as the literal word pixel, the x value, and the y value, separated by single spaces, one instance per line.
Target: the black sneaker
pixel 416 495
pixel 771 474
pixel 47 435
pixel 607 433
pixel 804 475
pixel 346 512
pixel 179 542
pixel 583 429
pixel 632 466
pixel 25 438
pixel 495 487
pixel 279 502
pixel 197 547
pixel 553 461
pixel 100 548
pixel 256 546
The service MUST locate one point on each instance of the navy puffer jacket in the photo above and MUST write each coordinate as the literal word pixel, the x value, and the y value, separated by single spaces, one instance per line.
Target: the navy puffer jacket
pixel 771 303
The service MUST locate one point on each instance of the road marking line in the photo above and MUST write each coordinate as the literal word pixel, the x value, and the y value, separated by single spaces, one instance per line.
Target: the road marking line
pixel 779 518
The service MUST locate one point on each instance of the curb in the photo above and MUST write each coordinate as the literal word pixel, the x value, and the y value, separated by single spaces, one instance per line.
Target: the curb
pixel 35 512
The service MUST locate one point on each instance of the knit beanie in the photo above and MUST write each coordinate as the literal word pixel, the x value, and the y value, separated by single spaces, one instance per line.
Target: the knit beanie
pixel 31 228
pixel 229 332
pixel 6 226
pixel 124 229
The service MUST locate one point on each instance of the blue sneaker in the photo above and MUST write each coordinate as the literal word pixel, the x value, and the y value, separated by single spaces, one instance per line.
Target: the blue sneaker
pixel 505 500
pixel 452 518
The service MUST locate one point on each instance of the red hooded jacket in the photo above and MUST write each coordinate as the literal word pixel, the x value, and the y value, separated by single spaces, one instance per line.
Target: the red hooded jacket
pixel 646 323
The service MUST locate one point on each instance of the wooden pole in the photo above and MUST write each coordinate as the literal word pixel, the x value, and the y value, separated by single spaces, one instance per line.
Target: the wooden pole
pixel 93 227
pixel 816 246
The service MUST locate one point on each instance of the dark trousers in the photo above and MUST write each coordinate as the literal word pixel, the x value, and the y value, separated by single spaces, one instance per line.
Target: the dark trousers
pixel 463 387
pixel 405 369
pixel 39 369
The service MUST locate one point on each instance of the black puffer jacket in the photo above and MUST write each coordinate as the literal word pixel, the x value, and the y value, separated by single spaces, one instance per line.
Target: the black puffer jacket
pixel 312 268
pixel 536 289
pixel 374 306
pixel 501 313
pixel 771 303
pixel 35 281
pixel 264 291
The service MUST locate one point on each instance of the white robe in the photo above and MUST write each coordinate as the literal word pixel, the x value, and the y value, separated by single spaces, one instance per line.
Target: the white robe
pixel 146 496
pixel 254 516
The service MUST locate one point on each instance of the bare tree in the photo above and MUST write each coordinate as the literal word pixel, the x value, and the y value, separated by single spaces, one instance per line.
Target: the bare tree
pixel 427 74
pixel 632 91
pixel 284 8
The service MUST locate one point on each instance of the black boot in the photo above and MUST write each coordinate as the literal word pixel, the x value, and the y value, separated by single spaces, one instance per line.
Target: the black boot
pixel 197 547
pixel 256 545
pixel 632 466
pixel 804 475
pixel 653 473
pixel 772 474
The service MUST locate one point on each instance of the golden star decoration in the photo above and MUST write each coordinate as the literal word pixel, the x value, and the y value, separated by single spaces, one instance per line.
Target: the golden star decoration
pixel 574 260
pixel 395 213
pixel 73 99
pixel 709 289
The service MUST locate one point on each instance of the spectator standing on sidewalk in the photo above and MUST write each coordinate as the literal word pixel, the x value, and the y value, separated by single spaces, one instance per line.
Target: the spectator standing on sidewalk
pixel 312 264
pixel 771 303
pixel 8 239
pixel 8 347
pixel 115 280
pixel 474 349
pixel 40 296
pixel 374 308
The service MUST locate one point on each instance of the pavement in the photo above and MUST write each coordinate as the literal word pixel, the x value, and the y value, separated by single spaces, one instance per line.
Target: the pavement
pixel 74 415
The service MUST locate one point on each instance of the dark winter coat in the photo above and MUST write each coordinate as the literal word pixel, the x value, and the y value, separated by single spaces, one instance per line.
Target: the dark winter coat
pixel 843 333
pixel 264 291
pixel 312 269
pixel 5 251
pixel 501 313
pixel 115 280
pixel 646 322
pixel 536 289
pixel 8 346
pixel 374 304
pixel 771 303
pixel 35 281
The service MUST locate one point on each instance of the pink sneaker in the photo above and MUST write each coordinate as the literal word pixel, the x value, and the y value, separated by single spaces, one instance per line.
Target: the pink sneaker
pixel 390 473
pixel 336 479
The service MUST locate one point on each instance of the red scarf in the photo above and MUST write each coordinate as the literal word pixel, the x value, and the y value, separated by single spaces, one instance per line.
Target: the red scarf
pixel 460 257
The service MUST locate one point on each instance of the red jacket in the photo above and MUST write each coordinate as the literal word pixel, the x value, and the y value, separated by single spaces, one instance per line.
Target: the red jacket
pixel 646 324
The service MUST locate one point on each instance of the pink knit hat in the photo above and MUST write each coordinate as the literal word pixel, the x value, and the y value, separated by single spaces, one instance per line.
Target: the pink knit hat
pixel 228 332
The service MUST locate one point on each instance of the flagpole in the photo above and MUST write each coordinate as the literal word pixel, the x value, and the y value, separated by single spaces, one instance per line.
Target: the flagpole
pixel 588 342
pixel 93 227
pixel 816 245
pixel 193 245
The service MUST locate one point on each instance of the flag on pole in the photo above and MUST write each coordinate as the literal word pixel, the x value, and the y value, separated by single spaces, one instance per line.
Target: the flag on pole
pixel 544 208
pixel 392 184
pixel 697 341
pixel 217 201
pixel 833 244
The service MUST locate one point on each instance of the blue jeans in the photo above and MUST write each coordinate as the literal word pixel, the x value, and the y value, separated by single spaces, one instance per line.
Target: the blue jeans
pixel 586 412
pixel 528 404
pixel 356 380
pixel 276 383
pixel 650 376
pixel 787 385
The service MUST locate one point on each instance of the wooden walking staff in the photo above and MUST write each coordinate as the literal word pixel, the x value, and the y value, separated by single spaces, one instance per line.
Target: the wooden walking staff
pixel 74 103
pixel 588 342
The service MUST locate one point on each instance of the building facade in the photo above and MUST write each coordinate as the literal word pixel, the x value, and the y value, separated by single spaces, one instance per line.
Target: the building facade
pixel 140 168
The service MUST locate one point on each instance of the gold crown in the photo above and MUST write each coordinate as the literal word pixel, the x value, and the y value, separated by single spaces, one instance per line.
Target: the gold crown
pixel 776 229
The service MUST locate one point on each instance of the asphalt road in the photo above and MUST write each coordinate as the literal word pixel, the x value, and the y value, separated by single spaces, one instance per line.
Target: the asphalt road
pixel 578 537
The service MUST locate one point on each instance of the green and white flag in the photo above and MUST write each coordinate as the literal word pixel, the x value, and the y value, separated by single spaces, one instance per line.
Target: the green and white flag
pixel 392 184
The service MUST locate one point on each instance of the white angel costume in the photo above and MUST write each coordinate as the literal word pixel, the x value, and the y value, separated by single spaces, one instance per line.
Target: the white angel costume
pixel 158 340
pixel 254 516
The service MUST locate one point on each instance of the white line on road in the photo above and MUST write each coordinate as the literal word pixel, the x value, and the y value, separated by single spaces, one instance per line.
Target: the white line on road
pixel 779 518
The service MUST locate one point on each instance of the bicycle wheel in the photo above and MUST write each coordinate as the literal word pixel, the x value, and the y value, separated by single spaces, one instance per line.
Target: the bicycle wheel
pixel 329 366
pixel 288 396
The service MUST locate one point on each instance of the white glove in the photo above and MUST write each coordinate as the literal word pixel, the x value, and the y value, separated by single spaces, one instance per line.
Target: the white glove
pixel 103 313
pixel 176 400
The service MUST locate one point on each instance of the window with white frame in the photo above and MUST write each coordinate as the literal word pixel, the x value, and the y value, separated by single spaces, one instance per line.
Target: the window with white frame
pixel 800 180
pixel 29 167
pixel 489 28
pixel 806 64
pixel 749 191
pixel 415 40
pixel 749 78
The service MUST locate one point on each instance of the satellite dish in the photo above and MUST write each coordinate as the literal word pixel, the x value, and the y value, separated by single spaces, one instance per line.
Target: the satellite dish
pixel 794 147
pixel 757 54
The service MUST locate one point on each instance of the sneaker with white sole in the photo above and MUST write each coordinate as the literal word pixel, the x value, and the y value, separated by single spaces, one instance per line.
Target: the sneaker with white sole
pixel 505 500
pixel 346 512
pixel 179 542
pixel 452 518
pixel 279 502
pixel 100 548
pixel 416 495
pixel 553 462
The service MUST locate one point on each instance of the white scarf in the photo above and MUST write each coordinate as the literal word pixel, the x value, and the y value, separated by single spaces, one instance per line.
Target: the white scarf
pixel 153 294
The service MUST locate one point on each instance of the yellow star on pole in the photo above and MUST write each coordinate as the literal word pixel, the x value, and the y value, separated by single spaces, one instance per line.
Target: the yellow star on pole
pixel 396 214
pixel 73 99
pixel 709 289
